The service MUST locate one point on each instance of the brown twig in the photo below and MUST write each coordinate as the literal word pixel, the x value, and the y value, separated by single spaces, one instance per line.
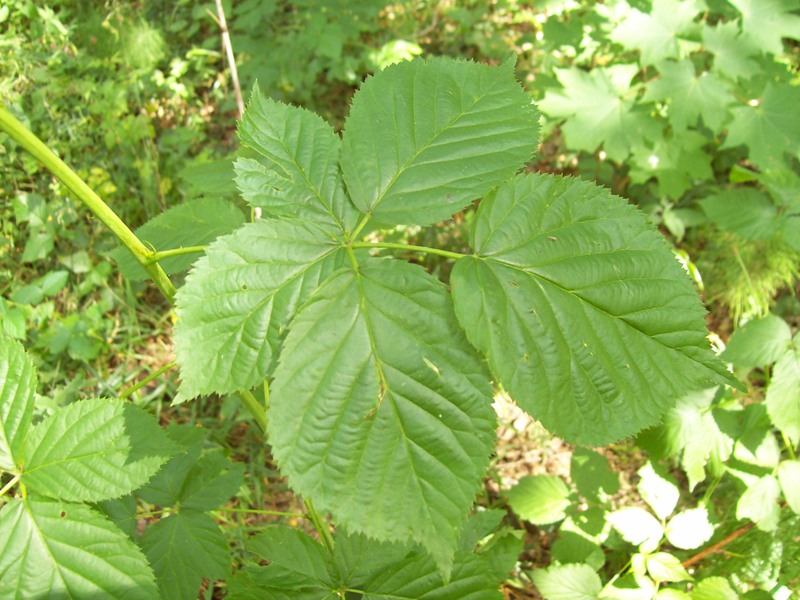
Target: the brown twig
pixel 718 546
pixel 226 45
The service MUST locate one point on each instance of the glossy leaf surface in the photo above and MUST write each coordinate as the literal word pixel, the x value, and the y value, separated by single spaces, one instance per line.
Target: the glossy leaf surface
pixel 380 411
pixel 60 550
pixel 584 315
pixel 239 299
pixel 424 139
pixel 17 387
pixel 94 450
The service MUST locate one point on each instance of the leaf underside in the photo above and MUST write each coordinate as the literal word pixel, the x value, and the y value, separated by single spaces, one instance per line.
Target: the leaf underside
pixel 380 411
pixel 585 316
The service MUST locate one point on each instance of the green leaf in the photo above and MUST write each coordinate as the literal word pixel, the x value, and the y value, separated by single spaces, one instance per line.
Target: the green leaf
pixel 300 568
pixel 568 582
pixel 94 450
pixel 692 431
pixel 17 388
pixel 60 550
pixel 238 300
pixel 783 393
pixel 166 487
pixel 571 547
pixel 746 212
pixel 540 499
pixel 759 342
pixel 657 34
pixel 759 503
pixel 689 529
pixel 182 549
pixel 665 567
pixel 768 126
pixel 678 161
pixel 714 588
pixel 599 108
pixel 732 51
pixel 194 223
pixel 591 474
pixel 658 490
pixel 765 22
pixel 299 176
pixel 425 138
pixel 585 316
pixel 638 527
pixel 689 96
pixel 789 478
pixel 376 378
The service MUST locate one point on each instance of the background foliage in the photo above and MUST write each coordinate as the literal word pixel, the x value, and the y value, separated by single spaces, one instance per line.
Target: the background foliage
pixel 688 109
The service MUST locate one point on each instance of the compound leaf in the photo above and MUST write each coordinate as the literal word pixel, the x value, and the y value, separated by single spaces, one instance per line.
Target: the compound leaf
pixel 600 110
pixel 690 96
pixel 239 299
pixel 380 411
pixel 656 35
pixel 59 550
pixel 17 387
pixel 194 223
pixel 182 549
pixel 299 174
pixel 584 314
pixel 94 450
pixel 732 52
pixel 766 22
pixel 301 568
pixel 425 138
pixel 768 126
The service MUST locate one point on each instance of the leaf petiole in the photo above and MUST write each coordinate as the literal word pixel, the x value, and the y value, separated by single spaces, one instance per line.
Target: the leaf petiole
pixel 408 248
pixel 162 254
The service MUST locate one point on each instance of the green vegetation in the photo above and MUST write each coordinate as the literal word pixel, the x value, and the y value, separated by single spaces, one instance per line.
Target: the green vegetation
pixel 353 271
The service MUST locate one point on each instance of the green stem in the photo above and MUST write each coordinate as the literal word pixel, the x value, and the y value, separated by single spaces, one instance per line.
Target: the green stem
pixel 789 446
pixel 408 248
pixel 255 511
pixel 40 151
pixel 162 254
pixel 322 529
pixel 258 412
pixel 145 381
pixel 360 226
pixel 10 484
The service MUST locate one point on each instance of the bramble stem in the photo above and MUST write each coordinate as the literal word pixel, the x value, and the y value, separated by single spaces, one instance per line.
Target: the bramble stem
pixel 146 257
pixel 409 248
pixel 39 150
pixel 718 546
